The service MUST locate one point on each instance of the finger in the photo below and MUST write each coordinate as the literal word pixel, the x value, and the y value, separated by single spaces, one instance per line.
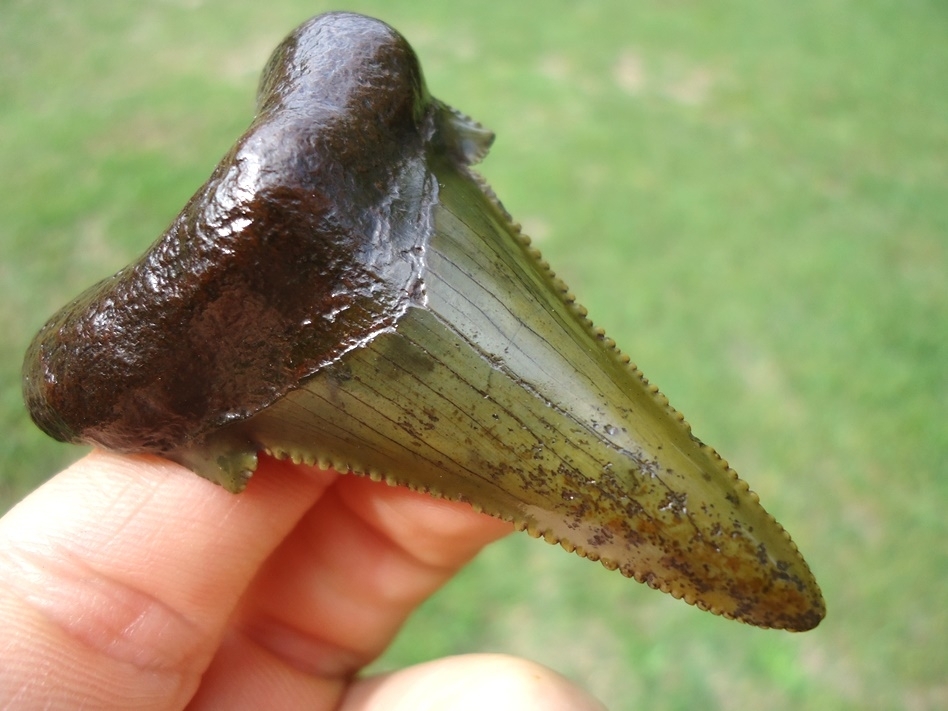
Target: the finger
pixel 335 593
pixel 470 683
pixel 117 577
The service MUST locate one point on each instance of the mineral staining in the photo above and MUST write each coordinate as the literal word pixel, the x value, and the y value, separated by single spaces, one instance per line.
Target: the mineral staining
pixel 346 291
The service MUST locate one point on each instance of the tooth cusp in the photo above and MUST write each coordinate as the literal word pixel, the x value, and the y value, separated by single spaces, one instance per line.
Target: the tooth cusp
pixel 609 564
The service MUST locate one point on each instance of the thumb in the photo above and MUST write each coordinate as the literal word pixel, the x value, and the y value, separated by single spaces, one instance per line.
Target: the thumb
pixel 470 682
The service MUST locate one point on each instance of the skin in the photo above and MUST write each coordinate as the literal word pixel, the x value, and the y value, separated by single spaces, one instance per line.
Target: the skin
pixel 125 582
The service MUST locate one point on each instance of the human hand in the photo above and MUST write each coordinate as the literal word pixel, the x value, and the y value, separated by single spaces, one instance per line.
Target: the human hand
pixel 126 582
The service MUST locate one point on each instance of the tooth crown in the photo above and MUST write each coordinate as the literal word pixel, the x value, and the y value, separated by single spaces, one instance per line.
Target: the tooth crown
pixel 345 291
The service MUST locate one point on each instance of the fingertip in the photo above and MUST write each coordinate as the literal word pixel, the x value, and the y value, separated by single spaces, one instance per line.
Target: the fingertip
pixel 470 682
pixel 436 531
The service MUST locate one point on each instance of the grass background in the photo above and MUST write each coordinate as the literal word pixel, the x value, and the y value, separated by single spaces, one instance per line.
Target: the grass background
pixel 752 198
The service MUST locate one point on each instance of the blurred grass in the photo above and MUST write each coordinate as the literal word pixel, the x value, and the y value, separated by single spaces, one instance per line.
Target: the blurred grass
pixel 751 197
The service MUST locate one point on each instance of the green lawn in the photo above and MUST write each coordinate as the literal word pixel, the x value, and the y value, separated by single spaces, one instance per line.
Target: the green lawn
pixel 752 198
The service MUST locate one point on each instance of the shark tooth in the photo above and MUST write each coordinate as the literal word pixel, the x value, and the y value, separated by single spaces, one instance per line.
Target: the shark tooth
pixel 346 291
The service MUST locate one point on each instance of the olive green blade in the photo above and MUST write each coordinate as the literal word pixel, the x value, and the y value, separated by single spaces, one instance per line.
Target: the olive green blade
pixel 496 390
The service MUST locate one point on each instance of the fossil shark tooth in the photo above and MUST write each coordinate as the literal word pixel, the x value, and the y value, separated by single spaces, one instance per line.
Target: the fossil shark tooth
pixel 345 291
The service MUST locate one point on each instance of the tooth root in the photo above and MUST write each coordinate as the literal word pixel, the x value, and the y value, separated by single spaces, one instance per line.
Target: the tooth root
pixel 497 391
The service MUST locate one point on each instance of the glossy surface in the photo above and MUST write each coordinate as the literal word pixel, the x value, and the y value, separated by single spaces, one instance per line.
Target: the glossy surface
pixel 345 291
